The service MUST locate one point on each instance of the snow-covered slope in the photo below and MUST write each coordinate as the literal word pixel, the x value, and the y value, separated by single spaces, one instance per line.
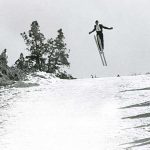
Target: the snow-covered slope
pixel 82 114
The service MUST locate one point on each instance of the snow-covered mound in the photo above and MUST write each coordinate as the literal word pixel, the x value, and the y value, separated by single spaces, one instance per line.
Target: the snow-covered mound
pixel 41 78
pixel 91 114
pixel 35 79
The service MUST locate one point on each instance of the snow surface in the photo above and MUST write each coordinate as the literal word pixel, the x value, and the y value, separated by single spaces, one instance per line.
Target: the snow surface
pixel 81 114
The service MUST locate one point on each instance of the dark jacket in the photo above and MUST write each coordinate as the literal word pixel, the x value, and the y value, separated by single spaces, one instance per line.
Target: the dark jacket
pixel 101 27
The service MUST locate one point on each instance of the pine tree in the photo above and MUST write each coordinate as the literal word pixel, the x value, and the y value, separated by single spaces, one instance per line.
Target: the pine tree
pixel 62 51
pixel 3 58
pixel 58 53
pixel 36 45
pixel 51 56
pixel 55 50
pixel 20 63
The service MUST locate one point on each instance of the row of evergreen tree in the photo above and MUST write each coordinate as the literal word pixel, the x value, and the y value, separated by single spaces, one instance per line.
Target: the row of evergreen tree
pixel 48 55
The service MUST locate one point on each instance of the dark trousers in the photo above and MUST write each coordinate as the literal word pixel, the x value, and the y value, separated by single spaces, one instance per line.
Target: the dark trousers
pixel 100 34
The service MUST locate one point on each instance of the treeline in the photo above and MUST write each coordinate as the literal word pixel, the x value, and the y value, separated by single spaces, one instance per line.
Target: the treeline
pixel 48 55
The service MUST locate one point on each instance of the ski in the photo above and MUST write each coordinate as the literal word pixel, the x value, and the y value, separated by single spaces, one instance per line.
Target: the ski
pixel 99 40
pixel 104 59
pixel 100 49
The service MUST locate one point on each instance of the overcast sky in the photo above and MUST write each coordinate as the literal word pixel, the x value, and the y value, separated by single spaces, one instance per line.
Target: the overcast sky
pixel 127 46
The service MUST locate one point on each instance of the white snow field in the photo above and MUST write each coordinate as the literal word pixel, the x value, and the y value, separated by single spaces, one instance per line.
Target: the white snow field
pixel 81 114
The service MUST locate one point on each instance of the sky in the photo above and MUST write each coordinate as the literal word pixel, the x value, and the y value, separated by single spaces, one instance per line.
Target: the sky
pixel 127 46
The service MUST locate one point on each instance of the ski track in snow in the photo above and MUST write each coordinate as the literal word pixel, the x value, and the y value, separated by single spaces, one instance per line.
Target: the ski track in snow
pixel 82 114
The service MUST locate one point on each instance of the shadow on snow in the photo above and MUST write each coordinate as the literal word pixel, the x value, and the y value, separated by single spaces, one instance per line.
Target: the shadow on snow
pixel 138 143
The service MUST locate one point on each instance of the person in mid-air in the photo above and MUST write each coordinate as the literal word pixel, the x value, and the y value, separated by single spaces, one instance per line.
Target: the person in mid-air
pixel 99 30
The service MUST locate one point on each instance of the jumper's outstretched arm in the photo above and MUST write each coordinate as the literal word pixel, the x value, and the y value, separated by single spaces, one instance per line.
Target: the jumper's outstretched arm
pixel 92 31
pixel 108 28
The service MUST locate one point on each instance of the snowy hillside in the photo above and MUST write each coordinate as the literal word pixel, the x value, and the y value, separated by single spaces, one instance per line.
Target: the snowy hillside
pixel 46 113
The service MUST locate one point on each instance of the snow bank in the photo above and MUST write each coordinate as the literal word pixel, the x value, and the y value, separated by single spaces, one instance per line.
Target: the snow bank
pixel 90 114
pixel 33 79
pixel 41 78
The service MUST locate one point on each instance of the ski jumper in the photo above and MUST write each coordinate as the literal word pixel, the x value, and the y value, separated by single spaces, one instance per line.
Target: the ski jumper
pixel 99 31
